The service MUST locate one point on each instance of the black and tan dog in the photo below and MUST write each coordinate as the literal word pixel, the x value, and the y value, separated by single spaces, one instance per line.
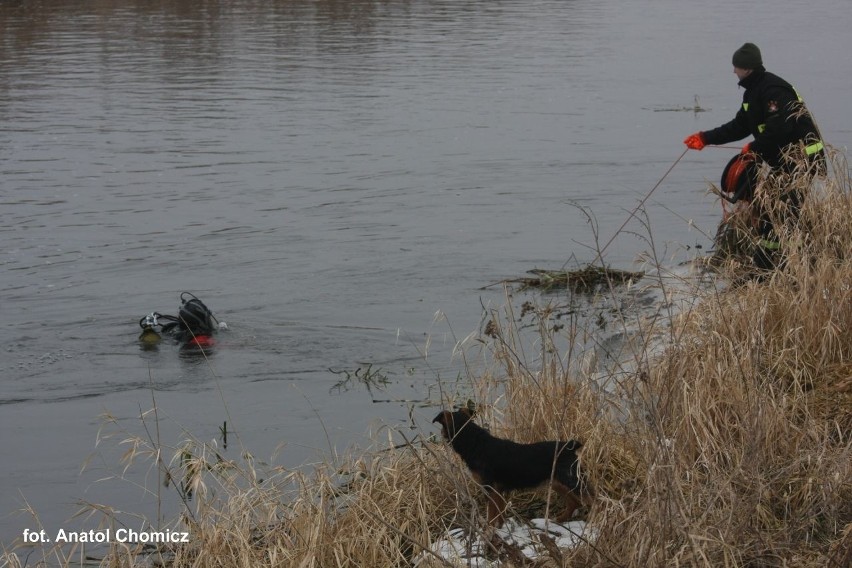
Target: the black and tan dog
pixel 503 465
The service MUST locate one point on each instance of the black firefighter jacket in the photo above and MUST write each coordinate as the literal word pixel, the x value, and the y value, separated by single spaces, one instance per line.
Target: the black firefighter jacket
pixel 775 115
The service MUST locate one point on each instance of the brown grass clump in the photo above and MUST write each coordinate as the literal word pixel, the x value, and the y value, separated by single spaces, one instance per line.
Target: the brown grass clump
pixel 745 440
pixel 727 445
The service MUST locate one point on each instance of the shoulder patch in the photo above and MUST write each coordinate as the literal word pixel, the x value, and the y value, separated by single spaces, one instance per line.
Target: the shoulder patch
pixel 772 106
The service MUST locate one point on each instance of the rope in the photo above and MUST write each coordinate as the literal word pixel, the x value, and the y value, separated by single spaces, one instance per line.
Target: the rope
pixel 641 203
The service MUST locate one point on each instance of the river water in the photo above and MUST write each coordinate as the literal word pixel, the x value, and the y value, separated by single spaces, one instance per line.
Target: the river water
pixel 337 180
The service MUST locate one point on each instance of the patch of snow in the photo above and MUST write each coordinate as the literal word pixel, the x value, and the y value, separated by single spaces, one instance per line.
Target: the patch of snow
pixel 460 549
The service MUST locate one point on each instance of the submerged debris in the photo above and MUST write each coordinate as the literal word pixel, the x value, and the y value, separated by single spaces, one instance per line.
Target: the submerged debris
pixel 582 281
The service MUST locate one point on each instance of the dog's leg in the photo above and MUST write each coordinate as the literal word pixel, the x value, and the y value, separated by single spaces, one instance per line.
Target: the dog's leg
pixel 571 502
pixel 496 506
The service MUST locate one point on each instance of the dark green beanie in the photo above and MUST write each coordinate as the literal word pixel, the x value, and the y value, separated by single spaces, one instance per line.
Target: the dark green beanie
pixel 747 57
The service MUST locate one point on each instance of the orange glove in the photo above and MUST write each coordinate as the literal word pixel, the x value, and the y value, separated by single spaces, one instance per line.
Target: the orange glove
pixel 694 141
pixel 746 149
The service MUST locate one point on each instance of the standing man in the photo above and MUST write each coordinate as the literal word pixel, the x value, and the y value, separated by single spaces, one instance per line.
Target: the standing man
pixel 785 136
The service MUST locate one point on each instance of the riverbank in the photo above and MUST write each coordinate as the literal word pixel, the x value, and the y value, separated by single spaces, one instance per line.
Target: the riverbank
pixel 720 436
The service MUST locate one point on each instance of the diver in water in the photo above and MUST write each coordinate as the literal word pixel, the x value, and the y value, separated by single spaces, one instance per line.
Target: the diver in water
pixel 194 327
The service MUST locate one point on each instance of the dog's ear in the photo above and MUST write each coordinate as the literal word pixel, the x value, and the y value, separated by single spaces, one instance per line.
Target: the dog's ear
pixel 470 406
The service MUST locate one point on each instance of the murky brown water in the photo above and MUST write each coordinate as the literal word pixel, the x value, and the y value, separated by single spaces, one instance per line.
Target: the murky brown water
pixel 327 176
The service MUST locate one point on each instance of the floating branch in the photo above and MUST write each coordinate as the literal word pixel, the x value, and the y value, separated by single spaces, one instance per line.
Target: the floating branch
pixel 583 280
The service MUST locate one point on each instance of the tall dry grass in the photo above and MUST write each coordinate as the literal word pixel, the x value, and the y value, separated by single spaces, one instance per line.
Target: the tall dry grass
pixel 722 438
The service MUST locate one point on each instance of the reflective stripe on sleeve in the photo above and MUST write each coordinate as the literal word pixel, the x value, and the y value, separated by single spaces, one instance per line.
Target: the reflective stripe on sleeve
pixel 813 148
